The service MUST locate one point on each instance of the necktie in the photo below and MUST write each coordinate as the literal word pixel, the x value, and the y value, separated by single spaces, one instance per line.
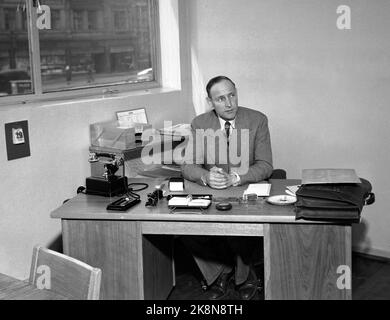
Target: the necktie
pixel 227 128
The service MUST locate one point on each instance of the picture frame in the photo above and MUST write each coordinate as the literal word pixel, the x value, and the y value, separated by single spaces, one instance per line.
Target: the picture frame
pixel 17 140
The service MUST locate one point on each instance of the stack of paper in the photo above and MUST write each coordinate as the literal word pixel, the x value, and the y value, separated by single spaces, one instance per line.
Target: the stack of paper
pixel 260 189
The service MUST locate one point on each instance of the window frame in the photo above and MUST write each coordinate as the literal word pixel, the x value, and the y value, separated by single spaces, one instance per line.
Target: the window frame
pixel 103 90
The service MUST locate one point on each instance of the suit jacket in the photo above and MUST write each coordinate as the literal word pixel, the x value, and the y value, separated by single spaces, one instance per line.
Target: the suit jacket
pixel 249 147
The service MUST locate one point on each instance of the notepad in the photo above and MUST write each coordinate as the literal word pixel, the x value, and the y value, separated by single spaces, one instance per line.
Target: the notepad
pixel 260 189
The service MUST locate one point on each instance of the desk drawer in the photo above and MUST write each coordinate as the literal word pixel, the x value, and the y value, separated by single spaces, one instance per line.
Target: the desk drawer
pixel 202 228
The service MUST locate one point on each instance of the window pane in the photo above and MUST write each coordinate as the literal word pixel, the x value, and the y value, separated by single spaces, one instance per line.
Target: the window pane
pixel 95 43
pixel 14 51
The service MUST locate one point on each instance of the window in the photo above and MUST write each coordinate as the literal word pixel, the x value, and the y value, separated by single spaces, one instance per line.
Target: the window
pixel 120 21
pixel 77 20
pixel 92 20
pixel 83 44
pixel 9 19
pixel 56 21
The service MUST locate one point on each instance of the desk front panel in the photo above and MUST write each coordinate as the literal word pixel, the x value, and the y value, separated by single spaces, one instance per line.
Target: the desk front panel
pixel 133 267
pixel 202 228
pixel 302 262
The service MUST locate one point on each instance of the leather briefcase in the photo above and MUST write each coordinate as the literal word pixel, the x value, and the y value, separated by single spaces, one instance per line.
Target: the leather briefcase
pixel 332 202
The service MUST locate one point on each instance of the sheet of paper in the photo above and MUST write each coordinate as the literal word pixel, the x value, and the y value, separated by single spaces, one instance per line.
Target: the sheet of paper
pixel 291 190
pixel 179 201
pixel 176 186
pixel 137 115
pixel 317 176
pixel 260 189
pixel 199 203
pixel 181 129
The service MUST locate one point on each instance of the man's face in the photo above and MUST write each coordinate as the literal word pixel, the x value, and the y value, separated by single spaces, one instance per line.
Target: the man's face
pixel 223 98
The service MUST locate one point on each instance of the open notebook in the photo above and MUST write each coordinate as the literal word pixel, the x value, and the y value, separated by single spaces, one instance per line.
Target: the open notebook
pixel 260 189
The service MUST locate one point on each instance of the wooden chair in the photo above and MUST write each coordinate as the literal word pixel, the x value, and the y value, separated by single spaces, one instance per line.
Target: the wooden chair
pixel 67 276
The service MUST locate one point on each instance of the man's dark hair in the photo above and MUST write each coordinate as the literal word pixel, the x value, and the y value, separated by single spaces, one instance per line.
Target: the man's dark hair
pixel 214 81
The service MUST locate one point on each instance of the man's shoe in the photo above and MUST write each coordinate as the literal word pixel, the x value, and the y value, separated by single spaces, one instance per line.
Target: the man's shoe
pixel 248 289
pixel 220 288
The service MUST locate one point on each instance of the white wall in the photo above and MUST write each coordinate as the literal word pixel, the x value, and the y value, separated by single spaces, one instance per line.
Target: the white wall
pixel 30 188
pixel 325 91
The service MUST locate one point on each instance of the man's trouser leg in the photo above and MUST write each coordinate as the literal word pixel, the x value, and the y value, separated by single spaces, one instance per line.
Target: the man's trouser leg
pixel 212 254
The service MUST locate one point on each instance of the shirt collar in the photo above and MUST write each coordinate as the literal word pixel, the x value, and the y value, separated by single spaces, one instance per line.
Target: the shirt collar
pixel 222 123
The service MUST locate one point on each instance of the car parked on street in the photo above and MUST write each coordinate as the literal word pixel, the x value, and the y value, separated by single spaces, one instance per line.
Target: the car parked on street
pixel 14 81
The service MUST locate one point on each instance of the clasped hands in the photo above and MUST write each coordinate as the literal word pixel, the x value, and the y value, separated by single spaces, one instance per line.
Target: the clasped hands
pixel 217 178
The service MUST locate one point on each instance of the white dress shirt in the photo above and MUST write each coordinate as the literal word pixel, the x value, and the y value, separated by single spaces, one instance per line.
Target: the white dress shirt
pixel 232 125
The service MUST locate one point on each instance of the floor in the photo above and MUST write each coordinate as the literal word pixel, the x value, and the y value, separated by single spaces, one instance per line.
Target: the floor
pixel 370 278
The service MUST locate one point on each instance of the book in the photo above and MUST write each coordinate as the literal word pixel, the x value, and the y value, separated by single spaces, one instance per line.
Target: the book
pixel 260 189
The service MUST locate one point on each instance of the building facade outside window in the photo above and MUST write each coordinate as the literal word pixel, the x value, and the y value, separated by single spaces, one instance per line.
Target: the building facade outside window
pixel 89 44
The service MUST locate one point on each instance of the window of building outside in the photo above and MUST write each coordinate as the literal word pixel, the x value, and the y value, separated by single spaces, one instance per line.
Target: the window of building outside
pixel 120 21
pixel 83 44
pixel 92 20
pixel 56 20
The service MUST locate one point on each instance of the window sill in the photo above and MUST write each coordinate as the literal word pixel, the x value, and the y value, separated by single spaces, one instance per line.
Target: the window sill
pixel 58 99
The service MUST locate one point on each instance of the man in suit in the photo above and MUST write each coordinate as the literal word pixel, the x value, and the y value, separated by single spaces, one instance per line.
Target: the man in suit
pixel 230 146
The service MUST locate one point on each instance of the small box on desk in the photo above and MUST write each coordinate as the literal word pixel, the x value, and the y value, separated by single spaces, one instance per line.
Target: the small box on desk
pixel 116 134
pixel 111 135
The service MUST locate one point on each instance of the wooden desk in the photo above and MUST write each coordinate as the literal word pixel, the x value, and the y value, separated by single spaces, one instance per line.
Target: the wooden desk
pixel 133 248
pixel 14 289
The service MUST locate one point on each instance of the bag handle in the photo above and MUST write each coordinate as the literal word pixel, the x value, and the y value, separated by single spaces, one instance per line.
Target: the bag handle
pixel 370 199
